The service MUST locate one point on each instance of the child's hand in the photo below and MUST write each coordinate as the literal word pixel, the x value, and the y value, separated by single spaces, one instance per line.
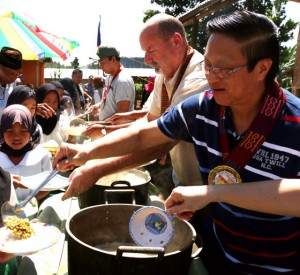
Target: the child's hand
pixel 17 182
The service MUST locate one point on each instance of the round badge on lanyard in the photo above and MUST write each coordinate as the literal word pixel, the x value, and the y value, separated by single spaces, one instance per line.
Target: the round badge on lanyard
pixel 224 174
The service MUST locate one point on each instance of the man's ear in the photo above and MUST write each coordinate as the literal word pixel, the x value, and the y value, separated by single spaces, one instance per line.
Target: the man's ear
pixel 177 39
pixel 263 67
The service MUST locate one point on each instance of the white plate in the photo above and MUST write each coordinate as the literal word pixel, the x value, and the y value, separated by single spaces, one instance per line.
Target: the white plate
pixel 58 182
pixel 151 226
pixel 148 163
pixel 45 236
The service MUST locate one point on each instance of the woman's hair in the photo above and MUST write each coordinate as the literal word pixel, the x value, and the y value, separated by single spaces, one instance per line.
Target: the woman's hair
pixel 256 33
pixel 45 89
pixel 98 82
pixel 47 124
pixel 20 94
pixel 13 114
pixel 63 103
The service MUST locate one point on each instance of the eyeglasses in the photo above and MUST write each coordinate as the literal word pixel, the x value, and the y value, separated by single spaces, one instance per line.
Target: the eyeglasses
pixel 220 72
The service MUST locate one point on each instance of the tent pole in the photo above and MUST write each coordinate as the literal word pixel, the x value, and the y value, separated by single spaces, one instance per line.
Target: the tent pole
pixel 37 73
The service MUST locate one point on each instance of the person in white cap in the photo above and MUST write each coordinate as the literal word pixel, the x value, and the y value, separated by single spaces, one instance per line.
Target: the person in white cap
pixel 119 93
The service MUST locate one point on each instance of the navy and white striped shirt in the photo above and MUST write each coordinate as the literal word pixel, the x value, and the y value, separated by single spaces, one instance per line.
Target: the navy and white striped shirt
pixel 253 242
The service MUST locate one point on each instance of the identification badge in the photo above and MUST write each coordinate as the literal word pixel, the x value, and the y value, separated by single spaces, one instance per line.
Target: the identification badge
pixel 223 174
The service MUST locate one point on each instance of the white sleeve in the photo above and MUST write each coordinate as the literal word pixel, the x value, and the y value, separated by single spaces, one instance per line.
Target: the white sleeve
pixel 13 196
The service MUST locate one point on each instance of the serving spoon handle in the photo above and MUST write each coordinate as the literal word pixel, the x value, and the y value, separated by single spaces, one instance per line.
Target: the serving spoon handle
pixel 35 191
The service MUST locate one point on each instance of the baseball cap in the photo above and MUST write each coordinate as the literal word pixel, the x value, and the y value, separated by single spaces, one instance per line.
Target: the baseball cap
pixel 107 51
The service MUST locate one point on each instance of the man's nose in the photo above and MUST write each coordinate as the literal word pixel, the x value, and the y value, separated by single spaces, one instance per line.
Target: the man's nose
pixel 212 78
pixel 147 58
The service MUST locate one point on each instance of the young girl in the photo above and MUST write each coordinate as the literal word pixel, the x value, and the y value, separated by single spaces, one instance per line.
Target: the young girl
pixel 18 154
pixel 24 95
pixel 67 107
pixel 48 94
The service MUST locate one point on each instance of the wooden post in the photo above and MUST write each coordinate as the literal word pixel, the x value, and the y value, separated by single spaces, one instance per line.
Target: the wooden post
pixel 195 28
pixel 296 78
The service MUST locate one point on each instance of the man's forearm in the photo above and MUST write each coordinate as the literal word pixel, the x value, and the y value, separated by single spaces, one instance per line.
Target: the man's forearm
pixel 279 197
pixel 127 141
pixel 116 164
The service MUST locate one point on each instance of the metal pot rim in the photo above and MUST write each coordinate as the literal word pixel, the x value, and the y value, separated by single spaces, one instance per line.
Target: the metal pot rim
pixel 69 232
pixel 145 175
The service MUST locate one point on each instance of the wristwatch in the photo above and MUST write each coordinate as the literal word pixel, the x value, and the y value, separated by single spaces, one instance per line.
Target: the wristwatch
pixel 103 130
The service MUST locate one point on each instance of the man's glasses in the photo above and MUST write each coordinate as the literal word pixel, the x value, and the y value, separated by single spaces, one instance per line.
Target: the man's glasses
pixel 220 72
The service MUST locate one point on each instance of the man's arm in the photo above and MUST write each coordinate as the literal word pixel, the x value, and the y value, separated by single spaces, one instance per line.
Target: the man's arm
pixel 279 197
pixel 94 131
pixel 118 143
pixel 84 177
pixel 120 118
pixel 123 106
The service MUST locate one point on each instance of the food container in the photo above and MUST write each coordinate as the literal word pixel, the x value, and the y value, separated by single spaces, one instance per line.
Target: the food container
pixel 99 242
pixel 134 180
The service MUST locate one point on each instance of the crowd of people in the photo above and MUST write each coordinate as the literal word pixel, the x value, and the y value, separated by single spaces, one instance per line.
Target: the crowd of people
pixel 33 118
pixel 228 125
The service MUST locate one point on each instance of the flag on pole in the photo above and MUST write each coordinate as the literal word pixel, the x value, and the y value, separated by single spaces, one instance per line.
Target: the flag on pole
pixel 99 33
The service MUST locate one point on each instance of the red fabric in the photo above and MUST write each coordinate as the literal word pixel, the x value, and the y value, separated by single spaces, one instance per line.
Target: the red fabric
pixel 150 85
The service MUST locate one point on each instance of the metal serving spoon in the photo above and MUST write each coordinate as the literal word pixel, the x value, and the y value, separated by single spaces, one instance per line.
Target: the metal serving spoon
pixel 16 209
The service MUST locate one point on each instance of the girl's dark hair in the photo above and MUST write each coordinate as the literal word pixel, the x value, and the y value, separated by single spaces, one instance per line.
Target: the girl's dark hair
pixel 20 94
pixel 256 33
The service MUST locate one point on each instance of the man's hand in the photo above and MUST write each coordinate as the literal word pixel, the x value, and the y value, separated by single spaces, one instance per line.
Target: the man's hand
pixel 69 156
pixel 120 118
pixel 93 131
pixel 93 110
pixel 184 201
pixel 80 180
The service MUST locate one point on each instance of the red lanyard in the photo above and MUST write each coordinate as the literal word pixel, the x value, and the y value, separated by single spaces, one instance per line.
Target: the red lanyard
pixel 109 86
pixel 258 131
pixel 165 100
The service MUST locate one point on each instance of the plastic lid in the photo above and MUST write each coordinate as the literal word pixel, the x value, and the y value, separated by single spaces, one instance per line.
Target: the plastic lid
pixel 151 226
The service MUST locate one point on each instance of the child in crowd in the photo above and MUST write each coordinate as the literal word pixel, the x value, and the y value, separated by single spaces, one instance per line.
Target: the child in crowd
pixel 47 93
pixel 24 95
pixel 18 154
pixel 67 107
pixel 98 84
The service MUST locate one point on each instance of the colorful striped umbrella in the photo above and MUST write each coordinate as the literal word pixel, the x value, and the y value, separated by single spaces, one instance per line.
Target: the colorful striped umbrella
pixel 21 33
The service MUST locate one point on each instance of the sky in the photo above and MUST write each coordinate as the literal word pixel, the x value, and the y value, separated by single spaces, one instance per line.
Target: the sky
pixel 121 21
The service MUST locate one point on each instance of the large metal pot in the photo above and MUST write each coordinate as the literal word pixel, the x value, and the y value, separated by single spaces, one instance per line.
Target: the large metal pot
pixel 99 242
pixel 133 179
